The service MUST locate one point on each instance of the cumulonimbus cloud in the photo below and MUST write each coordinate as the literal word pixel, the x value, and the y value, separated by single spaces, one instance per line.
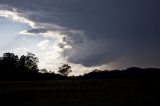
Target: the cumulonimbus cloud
pixel 91 33
pixel 67 39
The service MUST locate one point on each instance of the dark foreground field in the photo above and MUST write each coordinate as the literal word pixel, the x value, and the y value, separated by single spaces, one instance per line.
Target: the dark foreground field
pixel 111 92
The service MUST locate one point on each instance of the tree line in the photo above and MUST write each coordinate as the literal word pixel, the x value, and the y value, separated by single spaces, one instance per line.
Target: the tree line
pixel 25 67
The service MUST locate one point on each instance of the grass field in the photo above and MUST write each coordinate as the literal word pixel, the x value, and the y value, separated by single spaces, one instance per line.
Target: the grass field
pixel 111 92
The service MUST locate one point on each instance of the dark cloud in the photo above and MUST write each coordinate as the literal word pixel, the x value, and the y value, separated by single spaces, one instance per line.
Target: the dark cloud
pixel 92 53
pixel 37 30
pixel 74 37
pixel 111 28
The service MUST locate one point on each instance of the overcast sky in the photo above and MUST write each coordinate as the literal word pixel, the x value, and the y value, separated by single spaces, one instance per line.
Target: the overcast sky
pixel 111 34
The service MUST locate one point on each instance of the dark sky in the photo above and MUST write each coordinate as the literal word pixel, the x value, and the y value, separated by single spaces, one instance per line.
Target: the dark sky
pixel 123 33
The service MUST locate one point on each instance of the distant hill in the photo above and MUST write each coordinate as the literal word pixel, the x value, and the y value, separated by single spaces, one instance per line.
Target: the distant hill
pixel 130 73
pixel 133 72
pixel 25 68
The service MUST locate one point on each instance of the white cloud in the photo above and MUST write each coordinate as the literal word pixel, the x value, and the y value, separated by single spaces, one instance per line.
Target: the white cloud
pixel 50 53
pixel 43 44
pixel 16 17
pixel 20 49
pixel 50 56
pixel 89 32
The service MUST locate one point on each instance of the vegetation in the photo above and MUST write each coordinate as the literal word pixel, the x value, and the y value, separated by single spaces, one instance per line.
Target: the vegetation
pixel 10 62
pixel 65 69
pixel 78 91
pixel 26 68
pixel 110 92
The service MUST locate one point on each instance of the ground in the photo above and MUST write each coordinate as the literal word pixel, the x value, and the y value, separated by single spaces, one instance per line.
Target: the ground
pixel 109 92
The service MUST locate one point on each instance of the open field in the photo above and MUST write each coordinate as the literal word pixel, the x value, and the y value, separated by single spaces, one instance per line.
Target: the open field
pixel 111 92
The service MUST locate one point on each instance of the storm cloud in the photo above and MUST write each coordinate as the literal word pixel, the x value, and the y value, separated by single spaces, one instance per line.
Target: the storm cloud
pixel 99 32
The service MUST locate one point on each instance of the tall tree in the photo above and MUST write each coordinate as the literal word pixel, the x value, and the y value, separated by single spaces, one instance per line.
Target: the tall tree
pixel 30 61
pixel 9 61
pixel 65 69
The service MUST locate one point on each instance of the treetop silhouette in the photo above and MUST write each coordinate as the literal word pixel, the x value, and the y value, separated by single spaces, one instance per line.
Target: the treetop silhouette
pixel 26 68
pixel 65 69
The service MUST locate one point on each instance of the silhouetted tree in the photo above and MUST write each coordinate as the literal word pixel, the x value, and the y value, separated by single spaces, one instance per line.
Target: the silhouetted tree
pixel 43 71
pixel 10 58
pixel 26 68
pixel 29 62
pixel 96 70
pixel 9 61
pixel 65 69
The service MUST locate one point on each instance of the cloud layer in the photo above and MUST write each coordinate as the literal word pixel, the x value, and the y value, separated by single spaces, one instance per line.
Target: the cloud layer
pixel 91 32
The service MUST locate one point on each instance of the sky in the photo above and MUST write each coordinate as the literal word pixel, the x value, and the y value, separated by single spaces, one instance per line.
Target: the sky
pixel 102 34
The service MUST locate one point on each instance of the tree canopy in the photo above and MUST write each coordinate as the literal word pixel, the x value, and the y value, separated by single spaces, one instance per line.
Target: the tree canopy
pixel 65 69
pixel 12 63
pixel 25 67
